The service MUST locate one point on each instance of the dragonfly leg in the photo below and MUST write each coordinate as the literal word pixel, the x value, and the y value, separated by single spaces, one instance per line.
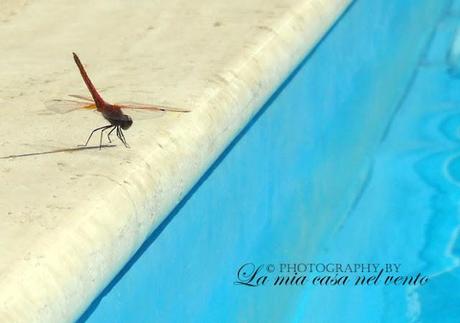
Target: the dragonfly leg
pixel 122 137
pixel 92 132
pixel 118 134
pixel 108 136
pixel 102 133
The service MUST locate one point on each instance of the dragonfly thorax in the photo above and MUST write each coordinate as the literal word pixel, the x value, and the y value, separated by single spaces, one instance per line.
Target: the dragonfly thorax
pixel 117 117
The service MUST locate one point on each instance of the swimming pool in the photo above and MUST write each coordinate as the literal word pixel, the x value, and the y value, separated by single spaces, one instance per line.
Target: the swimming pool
pixel 354 159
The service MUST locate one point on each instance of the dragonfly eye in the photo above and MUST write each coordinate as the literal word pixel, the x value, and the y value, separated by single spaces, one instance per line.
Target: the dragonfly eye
pixel 126 122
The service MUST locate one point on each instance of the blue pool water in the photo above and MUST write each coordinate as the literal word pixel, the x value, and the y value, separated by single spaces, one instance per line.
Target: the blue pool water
pixel 355 159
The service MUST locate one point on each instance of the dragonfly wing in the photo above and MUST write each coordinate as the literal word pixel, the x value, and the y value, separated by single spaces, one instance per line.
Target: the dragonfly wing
pixel 66 106
pixel 142 111
pixel 139 114
pixel 81 97
pixel 150 107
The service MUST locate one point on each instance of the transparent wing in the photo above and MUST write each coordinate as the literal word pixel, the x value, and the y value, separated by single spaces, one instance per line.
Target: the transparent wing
pixel 81 97
pixel 140 111
pixel 150 107
pixel 66 106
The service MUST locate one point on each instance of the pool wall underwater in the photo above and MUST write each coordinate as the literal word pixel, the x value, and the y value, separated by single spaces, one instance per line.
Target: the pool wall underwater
pixel 298 185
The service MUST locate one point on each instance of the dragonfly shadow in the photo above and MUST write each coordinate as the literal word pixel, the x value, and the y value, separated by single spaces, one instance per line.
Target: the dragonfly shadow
pixel 63 150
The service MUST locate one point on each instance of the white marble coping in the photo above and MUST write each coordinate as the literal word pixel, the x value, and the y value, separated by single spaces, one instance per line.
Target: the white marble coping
pixel 69 220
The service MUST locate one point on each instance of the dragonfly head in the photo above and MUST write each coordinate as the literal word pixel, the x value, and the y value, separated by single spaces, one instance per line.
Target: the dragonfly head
pixel 126 122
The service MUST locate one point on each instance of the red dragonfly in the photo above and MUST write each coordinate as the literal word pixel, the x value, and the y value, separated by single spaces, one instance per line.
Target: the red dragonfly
pixel 113 113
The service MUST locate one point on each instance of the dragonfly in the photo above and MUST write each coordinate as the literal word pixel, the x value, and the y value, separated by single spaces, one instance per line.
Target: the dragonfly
pixel 113 113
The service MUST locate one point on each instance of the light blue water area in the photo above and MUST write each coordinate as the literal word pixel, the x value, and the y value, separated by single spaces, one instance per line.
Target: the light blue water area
pixel 409 211
pixel 354 159
pixel 455 8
